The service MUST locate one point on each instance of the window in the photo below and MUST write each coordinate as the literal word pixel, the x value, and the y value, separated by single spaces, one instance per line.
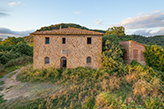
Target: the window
pixel 135 54
pixel 63 40
pixel 88 60
pixel 88 40
pixel 46 60
pixel 46 40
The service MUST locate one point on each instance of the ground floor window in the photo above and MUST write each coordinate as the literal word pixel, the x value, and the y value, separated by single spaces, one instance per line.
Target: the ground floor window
pixel 88 60
pixel 46 60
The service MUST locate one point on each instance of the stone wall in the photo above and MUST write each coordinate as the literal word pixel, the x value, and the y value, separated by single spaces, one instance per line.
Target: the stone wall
pixel 76 50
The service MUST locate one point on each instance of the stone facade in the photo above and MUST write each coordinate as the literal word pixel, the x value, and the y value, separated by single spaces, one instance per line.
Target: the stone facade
pixel 134 51
pixel 75 50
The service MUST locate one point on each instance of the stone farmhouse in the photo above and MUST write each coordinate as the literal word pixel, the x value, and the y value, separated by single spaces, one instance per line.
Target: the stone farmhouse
pixel 66 48
pixel 133 51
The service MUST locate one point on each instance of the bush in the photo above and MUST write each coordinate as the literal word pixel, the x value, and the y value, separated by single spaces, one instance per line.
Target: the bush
pixel 19 61
pixel 6 56
pixel 134 63
pixel 1 67
pixel 23 48
pixel 154 103
pixel 154 57
pixel 89 103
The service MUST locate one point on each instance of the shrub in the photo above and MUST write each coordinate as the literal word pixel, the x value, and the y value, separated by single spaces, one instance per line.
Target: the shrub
pixel 23 48
pixel 19 61
pixel 142 88
pixel 6 56
pixel 1 67
pixel 134 63
pixel 154 103
pixel 154 57
pixel 89 103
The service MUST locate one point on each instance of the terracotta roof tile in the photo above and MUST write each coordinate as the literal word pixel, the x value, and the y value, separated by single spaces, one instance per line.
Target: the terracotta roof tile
pixel 67 31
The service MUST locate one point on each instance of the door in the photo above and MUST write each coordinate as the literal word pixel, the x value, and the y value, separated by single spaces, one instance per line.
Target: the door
pixel 63 63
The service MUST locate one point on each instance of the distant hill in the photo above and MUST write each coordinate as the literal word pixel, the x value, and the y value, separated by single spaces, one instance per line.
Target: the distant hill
pixel 67 25
pixel 158 40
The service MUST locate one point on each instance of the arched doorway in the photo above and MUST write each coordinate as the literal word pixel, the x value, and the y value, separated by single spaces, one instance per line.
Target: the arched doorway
pixel 63 62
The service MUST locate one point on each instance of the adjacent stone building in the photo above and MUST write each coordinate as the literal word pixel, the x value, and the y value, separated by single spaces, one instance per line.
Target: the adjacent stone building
pixel 66 48
pixel 134 51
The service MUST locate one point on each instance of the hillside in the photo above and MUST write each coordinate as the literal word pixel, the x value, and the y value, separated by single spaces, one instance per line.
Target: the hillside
pixel 158 40
pixel 67 25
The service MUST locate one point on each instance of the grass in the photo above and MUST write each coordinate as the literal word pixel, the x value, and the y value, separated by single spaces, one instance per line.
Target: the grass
pixel 2 82
pixel 11 74
pixel 9 87
pixel 85 88
pixel 1 88
pixel 1 99
pixel 12 68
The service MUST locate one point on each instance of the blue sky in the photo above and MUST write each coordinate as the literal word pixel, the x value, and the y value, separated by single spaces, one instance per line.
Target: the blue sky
pixel 143 17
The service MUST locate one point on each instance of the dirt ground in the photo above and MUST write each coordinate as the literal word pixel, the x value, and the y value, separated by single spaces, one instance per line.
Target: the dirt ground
pixel 13 89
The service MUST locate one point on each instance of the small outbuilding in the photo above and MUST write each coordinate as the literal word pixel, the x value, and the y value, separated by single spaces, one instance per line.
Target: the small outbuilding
pixel 133 51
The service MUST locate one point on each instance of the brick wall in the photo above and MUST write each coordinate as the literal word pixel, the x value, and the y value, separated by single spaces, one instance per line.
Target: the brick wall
pixel 134 51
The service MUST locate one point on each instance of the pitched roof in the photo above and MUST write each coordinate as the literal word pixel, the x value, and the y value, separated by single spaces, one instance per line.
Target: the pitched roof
pixel 133 42
pixel 67 31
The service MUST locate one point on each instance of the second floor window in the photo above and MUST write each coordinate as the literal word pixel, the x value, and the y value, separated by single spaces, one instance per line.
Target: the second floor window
pixel 89 40
pixel 47 40
pixel 63 40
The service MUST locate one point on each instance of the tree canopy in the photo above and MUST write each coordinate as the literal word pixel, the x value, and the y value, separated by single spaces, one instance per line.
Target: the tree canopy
pixel 119 31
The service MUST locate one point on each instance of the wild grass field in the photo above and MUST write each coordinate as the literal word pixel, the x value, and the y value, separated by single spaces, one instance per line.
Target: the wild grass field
pixel 138 87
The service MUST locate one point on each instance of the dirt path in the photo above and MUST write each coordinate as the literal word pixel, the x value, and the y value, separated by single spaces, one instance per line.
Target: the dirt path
pixel 13 89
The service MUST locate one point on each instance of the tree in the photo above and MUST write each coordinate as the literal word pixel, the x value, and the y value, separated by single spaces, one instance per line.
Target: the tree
pixel 154 57
pixel 12 41
pixel 23 48
pixel 119 31
pixel 111 57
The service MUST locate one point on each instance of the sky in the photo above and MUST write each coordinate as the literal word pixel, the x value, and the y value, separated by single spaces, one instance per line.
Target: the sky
pixel 142 17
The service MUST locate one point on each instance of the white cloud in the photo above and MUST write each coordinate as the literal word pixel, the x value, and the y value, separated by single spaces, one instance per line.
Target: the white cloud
pixel 4 32
pixel 150 20
pixel 14 3
pixel 149 32
pixel 99 22
pixel 77 12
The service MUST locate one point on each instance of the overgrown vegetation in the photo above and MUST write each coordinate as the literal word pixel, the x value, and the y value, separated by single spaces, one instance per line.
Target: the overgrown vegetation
pixel 14 51
pixel 154 57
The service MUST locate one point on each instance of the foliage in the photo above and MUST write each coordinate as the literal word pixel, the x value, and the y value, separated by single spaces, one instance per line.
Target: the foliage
pixel 6 56
pixel 154 102
pixel 11 41
pixel 67 25
pixel 119 31
pixel 153 40
pixel 85 87
pixel 89 103
pixel 1 67
pixel 23 48
pixel 18 61
pixel 154 57
pixel 111 57
pixel 134 63
pixel 28 38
